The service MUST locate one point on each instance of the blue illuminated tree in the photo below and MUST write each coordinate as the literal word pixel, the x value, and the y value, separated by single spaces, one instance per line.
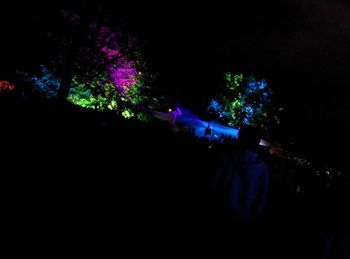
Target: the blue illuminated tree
pixel 245 100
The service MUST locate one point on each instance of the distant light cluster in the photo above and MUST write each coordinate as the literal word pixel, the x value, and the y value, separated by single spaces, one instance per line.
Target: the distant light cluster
pixel 6 86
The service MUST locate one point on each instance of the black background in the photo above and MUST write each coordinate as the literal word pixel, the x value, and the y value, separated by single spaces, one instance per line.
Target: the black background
pixel 299 47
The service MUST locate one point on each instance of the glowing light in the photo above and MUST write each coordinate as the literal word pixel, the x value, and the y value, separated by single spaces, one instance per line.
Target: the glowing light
pixel 114 82
pixel 6 86
pixel 106 74
pixel 244 100
pixel 46 84
pixel 127 114
pixel 84 96
pixel 170 110
pixel 264 143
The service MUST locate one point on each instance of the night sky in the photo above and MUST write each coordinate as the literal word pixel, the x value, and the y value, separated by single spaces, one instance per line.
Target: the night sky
pixel 300 47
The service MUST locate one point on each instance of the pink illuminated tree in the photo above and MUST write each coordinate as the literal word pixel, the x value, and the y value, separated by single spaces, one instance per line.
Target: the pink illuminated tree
pixel 111 58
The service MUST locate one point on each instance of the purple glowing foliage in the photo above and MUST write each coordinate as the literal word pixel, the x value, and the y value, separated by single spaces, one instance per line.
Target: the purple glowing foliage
pixel 122 71
pixel 110 52
pixel 124 79
pixel 109 66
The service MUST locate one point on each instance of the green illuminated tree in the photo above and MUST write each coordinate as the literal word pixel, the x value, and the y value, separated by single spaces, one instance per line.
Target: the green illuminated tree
pixel 245 100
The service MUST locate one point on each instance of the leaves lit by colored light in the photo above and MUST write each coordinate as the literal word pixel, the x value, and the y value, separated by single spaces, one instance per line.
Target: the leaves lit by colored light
pixel 244 100
pixel 124 78
pixel 6 86
pixel 127 113
pixel 45 84
pixel 106 73
pixel 98 94
pixel 113 81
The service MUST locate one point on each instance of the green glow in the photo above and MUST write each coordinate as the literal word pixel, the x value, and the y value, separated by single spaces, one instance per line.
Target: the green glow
pixel 97 94
pixel 244 100
pixel 238 79
pixel 145 117
pixel 127 113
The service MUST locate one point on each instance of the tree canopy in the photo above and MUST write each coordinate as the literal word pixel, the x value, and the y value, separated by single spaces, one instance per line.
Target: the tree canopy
pixel 245 100
pixel 96 66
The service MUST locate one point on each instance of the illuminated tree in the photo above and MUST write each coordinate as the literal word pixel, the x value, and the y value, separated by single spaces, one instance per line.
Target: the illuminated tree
pixel 97 67
pixel 45 84
pixel 244 100
pixel 108 74
pixel 6 86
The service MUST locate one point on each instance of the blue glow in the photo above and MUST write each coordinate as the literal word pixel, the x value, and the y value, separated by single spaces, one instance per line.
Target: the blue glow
pixel 182 119
pixel 217 130
pixel 262 84
pixel 186 119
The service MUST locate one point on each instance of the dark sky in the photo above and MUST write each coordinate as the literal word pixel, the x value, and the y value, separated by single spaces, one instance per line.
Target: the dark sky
pixel 300 47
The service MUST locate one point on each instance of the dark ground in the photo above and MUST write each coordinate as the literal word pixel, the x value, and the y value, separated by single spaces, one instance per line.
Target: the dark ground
pixel 70 182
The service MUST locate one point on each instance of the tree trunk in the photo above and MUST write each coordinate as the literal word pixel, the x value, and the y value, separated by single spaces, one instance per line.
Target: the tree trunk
pixel 69 66
pixel 67 77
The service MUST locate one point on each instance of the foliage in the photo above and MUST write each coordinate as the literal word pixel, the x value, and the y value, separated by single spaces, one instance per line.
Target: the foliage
pixel 6 86
pixel 98 96
pixel 107 78
pixel 45 84
pixel 244 100
pixel 106 69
